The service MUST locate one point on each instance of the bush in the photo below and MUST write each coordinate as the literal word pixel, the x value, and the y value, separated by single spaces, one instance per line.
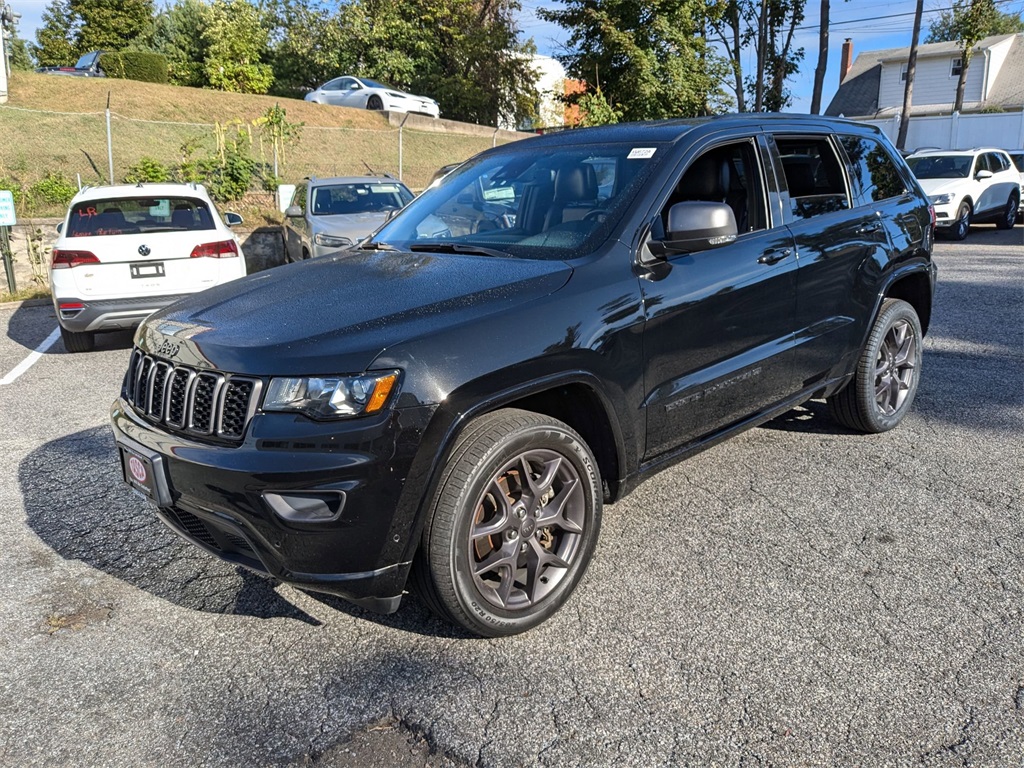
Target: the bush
pixel 147 170
pixel 14 187
pixel 144 66
pixel 53 189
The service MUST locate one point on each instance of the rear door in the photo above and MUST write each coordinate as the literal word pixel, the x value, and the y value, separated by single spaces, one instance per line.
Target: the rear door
pixel 717 343
pixel 144 247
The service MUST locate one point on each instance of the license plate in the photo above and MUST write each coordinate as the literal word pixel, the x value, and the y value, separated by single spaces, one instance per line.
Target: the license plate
pixel 147 269
pixel 138 472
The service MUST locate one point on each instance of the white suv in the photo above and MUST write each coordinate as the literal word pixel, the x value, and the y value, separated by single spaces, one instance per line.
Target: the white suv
pixel 125 251
pixel 967 186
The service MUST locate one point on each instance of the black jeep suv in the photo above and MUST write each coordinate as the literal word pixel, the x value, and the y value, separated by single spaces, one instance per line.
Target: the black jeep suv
pixel 454 399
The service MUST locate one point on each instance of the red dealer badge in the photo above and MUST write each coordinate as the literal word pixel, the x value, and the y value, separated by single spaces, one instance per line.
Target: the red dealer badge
pixel 137 468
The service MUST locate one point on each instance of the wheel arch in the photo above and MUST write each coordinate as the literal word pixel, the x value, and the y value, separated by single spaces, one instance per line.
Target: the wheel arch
pixel 915 288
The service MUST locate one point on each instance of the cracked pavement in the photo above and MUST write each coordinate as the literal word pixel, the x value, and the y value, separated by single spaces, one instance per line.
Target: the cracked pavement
pixel 798 595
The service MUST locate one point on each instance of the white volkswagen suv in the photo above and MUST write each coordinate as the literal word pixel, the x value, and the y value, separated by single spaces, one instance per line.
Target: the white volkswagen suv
pixel 125 251
pixel 968 186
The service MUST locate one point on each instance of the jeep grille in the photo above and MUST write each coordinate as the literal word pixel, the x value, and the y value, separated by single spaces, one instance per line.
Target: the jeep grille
pixel 195 402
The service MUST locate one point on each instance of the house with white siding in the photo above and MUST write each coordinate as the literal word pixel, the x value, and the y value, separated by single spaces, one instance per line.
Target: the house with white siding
pixel 872 85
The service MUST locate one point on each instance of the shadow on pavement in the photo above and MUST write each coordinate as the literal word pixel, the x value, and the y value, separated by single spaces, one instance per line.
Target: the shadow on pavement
pixel 76 502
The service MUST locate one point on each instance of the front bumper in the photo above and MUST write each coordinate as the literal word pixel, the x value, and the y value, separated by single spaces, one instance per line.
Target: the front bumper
pixel 223 498
pixel 945 215
pixel 109 314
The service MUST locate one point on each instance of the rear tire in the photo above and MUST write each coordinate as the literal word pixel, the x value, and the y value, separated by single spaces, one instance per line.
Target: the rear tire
pixel 1009 217
pixel 888 371
pixel 76 341
pixel 513 525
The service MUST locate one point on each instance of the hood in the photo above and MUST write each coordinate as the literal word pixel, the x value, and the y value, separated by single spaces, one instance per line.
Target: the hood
pixel 354 226
pixel 336 314
pixel 942 186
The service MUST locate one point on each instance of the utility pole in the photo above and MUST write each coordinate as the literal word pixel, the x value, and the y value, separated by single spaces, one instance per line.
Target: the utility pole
pixel 908 91
pixel 6 19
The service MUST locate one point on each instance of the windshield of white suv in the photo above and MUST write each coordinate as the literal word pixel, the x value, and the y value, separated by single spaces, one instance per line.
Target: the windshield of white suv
pixel 135 215
pixel 550 203
pixel 358 198
pixel 941 166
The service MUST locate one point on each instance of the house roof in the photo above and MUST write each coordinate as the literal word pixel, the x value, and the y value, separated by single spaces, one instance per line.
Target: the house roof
pixel 858 93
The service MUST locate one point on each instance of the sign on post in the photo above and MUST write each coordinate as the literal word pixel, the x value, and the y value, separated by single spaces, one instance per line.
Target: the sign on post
pixel 7 219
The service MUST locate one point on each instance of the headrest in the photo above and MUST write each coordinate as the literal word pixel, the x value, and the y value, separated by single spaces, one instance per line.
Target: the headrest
pixel 706 179
pixel 577 182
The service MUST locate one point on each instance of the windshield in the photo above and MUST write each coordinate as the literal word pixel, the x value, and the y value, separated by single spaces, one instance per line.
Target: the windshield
pixel 86 60
pixel 550 203
pixel 134 215
pixel 941 166
pixel 358 198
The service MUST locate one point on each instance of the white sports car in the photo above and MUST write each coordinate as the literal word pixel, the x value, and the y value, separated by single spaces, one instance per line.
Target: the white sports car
pixel 360 93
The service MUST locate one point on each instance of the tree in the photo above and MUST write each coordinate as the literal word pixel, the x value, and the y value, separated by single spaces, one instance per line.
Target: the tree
pixel 971 18
pixel 943 29
pixel 112 24
pixel 649 59
pixel 178 35
pixel 18 50
pixel 55 38
pixel 236 39
pixel 308 45
pixel 908 89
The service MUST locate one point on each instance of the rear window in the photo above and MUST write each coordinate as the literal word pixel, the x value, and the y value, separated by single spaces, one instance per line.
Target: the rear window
pixel 137 215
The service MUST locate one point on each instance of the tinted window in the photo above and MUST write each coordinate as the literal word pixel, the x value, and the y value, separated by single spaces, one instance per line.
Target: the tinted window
pixel 358 198
pixel 299 197
pixel 813 175
pixel 135 215
pixel 727 174
pixel 872 169
pixel 997 162
pixel 1018 160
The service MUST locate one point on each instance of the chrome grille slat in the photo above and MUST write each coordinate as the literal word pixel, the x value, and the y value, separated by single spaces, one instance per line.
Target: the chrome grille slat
pixel 191 401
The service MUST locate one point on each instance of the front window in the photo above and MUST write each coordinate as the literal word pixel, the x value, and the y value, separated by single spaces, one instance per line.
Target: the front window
pixel 330 200
pixel 941 166
pixel 546 204
pixel 137 215
pixel 87 60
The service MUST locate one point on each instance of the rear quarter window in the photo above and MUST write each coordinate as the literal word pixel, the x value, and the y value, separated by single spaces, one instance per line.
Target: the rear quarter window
pixel 873 172
pixel 137 215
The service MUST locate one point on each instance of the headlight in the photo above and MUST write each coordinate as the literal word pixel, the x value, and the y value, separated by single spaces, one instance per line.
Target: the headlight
pixel 330 241
pixel 332 397
pixel 942 199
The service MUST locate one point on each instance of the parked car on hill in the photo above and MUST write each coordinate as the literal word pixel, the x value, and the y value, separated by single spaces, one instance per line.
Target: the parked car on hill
pixel 328 214
pixel 360 93
pixel 454 410
pixel 126 250
pixel 88 65
pixel 968 186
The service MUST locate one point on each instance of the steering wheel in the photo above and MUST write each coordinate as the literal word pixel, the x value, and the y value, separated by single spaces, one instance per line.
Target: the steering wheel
pixel 598 214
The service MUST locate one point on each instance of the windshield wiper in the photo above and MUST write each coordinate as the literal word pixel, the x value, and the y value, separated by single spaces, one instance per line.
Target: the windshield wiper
pixel 370 245
pixel 443 247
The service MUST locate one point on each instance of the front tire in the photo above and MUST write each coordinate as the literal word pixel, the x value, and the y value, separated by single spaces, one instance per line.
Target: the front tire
pixel 513 525
pixel 77 341
pixel 1009 217
pixel 888 371
pixel 374 102
pixel 962 225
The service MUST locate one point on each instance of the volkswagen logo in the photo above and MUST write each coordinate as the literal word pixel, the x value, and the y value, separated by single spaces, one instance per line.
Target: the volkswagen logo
pixel 144 250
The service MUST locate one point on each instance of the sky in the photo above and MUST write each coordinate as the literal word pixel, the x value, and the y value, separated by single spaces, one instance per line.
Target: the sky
pixel 871 25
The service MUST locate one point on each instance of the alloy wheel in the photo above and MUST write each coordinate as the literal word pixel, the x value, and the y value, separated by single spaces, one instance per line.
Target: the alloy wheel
pixel 895 367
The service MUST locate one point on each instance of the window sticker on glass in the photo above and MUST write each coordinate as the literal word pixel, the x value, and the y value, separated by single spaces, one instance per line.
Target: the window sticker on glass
pixel 160 208
pixel 641 153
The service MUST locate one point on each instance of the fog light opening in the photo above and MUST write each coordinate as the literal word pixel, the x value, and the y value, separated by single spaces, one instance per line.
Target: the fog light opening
pixel 307 507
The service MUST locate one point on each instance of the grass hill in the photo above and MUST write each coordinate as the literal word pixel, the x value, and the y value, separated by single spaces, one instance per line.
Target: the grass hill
pixel 56 125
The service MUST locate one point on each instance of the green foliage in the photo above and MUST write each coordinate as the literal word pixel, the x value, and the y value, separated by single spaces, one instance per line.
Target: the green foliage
pixel 944 29
pixel 54 188
pixel 145 66
pixel 650 60
pixel 310 46
pixel 112 24
pixel 274 127
pixel 179 36
pixel 14 187
pixel 21 59
pixel 55 43
pixel 236 39
pixel 147 170
pixel 595 109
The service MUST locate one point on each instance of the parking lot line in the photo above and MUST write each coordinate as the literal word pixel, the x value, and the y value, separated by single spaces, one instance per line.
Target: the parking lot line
pixel 29 361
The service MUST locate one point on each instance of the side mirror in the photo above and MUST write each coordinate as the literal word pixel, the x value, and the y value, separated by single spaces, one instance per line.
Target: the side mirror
pixel 293 212
pixel 233 219
pixel 60 227
pixel 982 175
pixel 698 226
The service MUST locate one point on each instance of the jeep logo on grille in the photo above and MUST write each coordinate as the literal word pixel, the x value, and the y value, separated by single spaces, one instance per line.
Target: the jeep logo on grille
pixel 167 349
pixel 144 250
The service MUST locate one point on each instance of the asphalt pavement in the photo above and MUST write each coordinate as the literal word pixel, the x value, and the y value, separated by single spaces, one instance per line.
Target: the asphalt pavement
pixel 799 595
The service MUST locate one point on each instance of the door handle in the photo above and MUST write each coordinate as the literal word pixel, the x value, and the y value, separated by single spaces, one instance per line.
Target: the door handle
pixel 774 256
pixel 868 229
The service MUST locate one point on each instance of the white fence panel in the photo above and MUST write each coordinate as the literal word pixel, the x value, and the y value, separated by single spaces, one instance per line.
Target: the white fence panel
pixel 956 131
